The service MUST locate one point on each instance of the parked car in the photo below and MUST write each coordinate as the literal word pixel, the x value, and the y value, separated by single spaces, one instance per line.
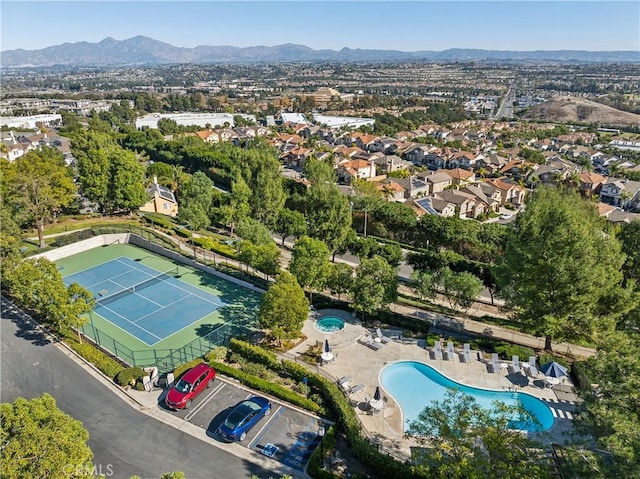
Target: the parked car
pixel 243 417
pixel 190 384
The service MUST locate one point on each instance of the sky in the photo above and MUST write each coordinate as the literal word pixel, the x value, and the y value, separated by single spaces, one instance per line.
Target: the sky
pixel 391 25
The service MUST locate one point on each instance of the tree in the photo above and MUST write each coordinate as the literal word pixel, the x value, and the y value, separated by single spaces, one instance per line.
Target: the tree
pixel 319 172
pixel 238 207
pixel 290 223
pixel 375 285
pixel 195 201
pixel 328 214
pixel 340 278
pixel 461 289
pixel 464 440
pixel 126 182
pixel 610 412
pixel 560 272
pixel 39 440
pixel 284 307
pixel 42 186
pixel 425 283
pixel 310 263
pixel 630 238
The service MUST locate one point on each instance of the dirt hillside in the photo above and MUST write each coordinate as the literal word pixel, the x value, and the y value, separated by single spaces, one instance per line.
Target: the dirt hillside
pixel 574 109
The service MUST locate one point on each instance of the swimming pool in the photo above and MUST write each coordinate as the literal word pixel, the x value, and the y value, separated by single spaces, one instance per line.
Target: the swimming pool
pixel 330 324
pixel 414 385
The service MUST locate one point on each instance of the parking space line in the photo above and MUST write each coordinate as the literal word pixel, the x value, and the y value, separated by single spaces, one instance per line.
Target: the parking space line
pixel 299 454
pixel 208 398
pixel 280 411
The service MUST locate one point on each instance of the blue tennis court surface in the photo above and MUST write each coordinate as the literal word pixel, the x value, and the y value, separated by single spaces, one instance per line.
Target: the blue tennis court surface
pixel 149 304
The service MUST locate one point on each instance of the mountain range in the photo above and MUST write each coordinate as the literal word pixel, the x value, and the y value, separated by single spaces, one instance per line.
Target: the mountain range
pixel 142 50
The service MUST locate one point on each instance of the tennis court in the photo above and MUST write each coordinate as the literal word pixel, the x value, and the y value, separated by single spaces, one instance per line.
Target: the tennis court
pixel 149 304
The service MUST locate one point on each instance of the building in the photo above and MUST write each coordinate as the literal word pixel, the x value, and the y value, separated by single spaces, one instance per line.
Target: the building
pixel 162 200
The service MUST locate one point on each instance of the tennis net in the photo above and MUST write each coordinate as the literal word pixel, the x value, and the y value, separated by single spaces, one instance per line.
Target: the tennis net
pixel 104 300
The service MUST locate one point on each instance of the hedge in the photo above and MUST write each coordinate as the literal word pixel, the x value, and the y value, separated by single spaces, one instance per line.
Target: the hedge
pixel 268 387
pixel 255 354
pixel 210 244
pixel 106 364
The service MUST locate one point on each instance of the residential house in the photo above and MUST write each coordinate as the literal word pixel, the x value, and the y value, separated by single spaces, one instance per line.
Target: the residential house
pixel 389 163
pixel 466 206
pixel 554 171
pixel 461 177
pixel 417 154
pixel 391 190
pixel 208 136
pixel 491 164
pixel 162 200
pixel 432 206
pixel 437 181
pixel 510 193
pixel 590 183
pixel 622 193
pixel 484 202
pixel 414 186
pixel 348 170
pixel 297 157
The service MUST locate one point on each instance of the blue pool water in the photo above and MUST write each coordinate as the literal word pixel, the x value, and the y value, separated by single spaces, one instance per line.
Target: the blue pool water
pixel 330 324
pixel 414 385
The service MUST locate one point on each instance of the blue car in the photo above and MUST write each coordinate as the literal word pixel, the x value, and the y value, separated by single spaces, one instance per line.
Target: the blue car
pixel 243 417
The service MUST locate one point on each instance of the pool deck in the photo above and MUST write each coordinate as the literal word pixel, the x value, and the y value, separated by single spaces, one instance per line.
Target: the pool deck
pixel 363 364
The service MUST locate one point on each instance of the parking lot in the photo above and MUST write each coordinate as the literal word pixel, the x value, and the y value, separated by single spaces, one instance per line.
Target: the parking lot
pixel 287 435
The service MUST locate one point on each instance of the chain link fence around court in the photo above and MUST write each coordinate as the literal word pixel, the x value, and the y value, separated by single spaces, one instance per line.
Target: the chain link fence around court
pixel 165 360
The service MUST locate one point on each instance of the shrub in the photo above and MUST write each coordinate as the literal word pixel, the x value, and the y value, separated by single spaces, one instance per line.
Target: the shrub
pixel 215 246
pixel 255 354
pixel 106 364
pixel 183 368
pixel 259 370
pixel 216 354
pixel 129 376
pixel 139 386
pixel 506 350
pixel 182 231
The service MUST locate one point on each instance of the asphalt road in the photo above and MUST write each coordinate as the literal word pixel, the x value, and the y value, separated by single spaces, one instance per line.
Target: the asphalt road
pixel 124 441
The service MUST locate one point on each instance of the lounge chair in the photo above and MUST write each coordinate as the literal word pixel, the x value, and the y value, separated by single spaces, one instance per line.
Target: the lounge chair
pixel 355 389
pixel 449 354
pixel 532 370
pixel 514 367
pixel 466 353
pixel 437 350
pixel 495 364
pixel 369 342
pixel 344 379
pixel 383 339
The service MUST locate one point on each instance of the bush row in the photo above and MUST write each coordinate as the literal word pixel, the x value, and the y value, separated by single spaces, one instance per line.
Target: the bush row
pixel 212 245
pixel 129 376
pixel 105 363
pixel 266 386
pixel 255 354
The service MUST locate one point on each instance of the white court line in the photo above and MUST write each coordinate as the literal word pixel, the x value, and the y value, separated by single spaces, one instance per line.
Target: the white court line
pixel 130 322
pixel 207 398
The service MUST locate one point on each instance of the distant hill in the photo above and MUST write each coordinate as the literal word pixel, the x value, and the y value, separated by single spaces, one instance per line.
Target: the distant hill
pixel 142 50
pixel 574 109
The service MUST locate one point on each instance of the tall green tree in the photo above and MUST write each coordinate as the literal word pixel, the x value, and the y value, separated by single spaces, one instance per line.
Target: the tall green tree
pixel 561 273
pixel 195 201
pixel 238 207
pixel 41 187
pixel 319 172
pixel 290 223
pixel 340 278
pixel 310 263
pixel 462 440
pixel 39 440
pixel 375 285
pixel 284 307
pixel 126 184
pixel 328 214
pixel 461 289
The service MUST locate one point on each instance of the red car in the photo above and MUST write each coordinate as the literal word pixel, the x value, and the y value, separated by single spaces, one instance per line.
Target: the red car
pixel 190 384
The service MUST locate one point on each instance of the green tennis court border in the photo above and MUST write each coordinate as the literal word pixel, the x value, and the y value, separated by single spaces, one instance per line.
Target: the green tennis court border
pixel 238 317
